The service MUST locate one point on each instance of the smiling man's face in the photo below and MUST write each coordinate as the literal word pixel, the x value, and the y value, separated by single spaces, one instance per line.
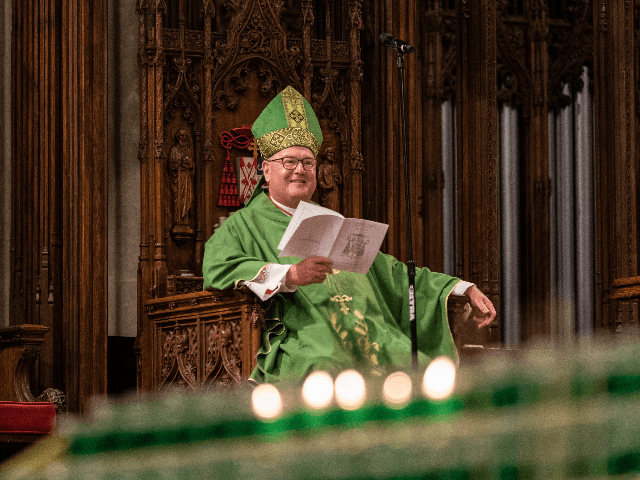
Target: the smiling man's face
pixel 289 187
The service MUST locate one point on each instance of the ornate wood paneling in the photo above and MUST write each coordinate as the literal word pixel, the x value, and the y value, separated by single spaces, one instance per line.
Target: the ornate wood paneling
pixel 59 182
pixel 476 102
pixel 209 340
pixel 538 54
pixel 438 60
pixel 616 125
pixel 196 83
pixel 424 25
pixel 204 340
pixel 36 172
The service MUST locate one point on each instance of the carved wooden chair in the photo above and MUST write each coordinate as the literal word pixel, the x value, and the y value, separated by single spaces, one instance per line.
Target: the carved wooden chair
pixel 204 340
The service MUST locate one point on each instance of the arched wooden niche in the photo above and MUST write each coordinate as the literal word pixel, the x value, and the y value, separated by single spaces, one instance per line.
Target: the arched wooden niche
pixel 207 67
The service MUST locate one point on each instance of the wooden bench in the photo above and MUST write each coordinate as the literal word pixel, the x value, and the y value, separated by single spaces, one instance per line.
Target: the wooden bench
pixel 24 423
pixel 24 418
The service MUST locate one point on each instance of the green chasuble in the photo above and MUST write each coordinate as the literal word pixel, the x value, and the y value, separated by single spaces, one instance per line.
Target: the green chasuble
pixel 351 320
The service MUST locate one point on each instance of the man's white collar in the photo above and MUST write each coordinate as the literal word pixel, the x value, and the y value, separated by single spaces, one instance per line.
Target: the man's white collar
pixel 289 210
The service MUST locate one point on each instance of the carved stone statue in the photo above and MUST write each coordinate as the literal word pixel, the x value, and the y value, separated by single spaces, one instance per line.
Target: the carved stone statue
pixel 329 178
pixel 182 169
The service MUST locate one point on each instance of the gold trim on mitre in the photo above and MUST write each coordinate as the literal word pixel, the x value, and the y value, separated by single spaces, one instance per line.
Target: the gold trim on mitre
pixel 271 143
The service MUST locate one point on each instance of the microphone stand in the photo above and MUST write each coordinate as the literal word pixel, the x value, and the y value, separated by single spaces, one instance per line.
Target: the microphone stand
pixel 411 266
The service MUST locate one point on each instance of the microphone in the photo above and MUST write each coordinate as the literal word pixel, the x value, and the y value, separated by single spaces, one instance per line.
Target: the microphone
pixel 400 45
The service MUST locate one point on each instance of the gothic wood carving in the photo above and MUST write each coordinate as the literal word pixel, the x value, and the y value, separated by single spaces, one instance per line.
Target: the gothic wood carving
pixel 539 51
pixel 204 340
pixel 329 177
pixel 207 73
pixel 523 49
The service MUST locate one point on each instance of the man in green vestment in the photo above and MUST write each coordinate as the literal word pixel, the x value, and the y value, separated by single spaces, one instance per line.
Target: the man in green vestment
pixel 319 318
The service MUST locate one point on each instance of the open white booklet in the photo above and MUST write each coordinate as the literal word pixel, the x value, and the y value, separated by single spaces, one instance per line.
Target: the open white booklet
pixel 351 243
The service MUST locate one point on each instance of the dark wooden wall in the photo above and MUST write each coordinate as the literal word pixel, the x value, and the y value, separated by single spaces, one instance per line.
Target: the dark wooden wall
pixel 59 189
pixel 329 51
pixel 480 54
pixel 616 51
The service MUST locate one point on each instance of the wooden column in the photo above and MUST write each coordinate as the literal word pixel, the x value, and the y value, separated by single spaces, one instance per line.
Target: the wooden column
pixel 353 178
pixel 405 26
pixel 152 266
pixel 157 154
pixel 144 267
pixel 59 189
pixel 84 200
pixel 429 171
pixel 383 177
pixel 423 24
pixel 535 150
pixel 36 176
pixel 477 121
pixel 209 136
pixel 376 126
pixel 616 154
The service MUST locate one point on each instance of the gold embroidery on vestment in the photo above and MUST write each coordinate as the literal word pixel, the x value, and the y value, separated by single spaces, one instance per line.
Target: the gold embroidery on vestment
pixel 334 321
pixel 369 350
pixel 361 331
pixel 342 299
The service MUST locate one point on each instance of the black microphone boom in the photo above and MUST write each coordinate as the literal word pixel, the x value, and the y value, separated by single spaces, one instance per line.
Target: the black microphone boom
pixel 400 45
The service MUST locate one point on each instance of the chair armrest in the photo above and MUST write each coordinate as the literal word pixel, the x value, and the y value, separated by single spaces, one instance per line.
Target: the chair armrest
pixel 203 339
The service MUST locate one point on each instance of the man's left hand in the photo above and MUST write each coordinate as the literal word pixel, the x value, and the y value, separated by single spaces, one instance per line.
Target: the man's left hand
pixel 482 310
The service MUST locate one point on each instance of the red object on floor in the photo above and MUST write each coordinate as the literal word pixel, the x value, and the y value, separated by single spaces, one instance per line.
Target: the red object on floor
pixel 27 417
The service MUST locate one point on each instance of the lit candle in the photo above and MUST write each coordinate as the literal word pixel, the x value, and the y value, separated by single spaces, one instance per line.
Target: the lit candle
pixel 439 378
pixel 317 391
pixel 267 402
pixel 350 390
pixel 396 390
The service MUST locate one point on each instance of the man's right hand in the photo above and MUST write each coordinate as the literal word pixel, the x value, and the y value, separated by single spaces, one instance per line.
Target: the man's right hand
pixel 308 271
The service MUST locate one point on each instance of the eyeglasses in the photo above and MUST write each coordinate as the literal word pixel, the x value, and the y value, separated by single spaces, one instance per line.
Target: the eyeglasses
pixel 291 163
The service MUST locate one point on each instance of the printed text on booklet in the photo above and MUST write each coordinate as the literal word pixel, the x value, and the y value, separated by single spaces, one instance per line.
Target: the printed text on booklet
pixel 351 243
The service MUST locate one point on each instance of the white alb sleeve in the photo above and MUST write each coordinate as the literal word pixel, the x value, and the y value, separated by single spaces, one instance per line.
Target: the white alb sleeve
pixel 461 287
pixel 269 281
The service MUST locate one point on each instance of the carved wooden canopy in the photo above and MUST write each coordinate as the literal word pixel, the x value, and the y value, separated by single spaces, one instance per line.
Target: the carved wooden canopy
pixel 210 67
